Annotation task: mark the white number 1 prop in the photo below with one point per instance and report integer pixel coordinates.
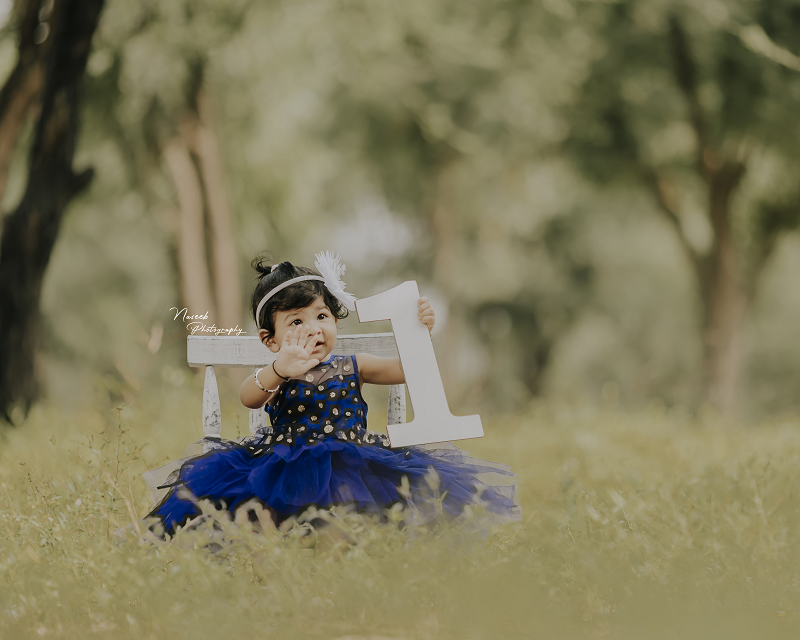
(432, 421)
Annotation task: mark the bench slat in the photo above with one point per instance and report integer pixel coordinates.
(397, 404)
(258, 419)
(212, 415)
(248, 351)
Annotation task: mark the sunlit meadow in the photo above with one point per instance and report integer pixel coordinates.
(646, 524)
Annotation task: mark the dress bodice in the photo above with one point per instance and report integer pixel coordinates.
(325, 402)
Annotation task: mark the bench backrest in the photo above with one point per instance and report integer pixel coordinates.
(249, 352)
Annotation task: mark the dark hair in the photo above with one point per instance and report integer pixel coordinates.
(296, 296)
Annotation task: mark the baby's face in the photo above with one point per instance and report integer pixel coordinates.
(320, 322)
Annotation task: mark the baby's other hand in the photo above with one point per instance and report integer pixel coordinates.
(425, 313)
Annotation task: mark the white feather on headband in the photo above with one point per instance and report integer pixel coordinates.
(331, 269)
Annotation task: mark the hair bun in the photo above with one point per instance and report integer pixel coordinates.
(261, 264)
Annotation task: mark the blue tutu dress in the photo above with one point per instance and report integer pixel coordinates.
(319, 453)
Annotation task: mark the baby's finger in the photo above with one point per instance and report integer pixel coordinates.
(311, 338)
(300, 335)
(427, 317)
(287, 338)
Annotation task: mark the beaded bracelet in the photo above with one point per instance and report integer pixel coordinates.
(261, 386)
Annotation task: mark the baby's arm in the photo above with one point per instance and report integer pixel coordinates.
(252, 396)
(377, 370)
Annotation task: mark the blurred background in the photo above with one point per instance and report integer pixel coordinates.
(599, 197)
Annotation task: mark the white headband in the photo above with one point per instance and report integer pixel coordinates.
(331, 269)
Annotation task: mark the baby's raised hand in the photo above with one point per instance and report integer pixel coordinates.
(425, 313)
(294, 357)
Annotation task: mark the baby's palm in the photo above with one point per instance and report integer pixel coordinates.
(294, 358)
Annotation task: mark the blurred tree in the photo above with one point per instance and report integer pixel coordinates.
(158, 217)
(437, 129)
(457, 112)
(194, 163)
(687, 102)
(180, 129)
(30, 231)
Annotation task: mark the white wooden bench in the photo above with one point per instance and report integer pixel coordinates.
(249, 352)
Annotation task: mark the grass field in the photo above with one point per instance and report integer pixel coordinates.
(635, 526)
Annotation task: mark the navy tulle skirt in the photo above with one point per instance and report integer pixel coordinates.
(431, 481)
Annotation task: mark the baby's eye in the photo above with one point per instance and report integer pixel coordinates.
(297, 321)
(322, 316)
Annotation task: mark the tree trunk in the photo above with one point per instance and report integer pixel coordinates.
(22, 87)
(30, 232)
(724, 293)
(722, 346)
(10, 125)
(227, 285)
(725, 298)
(192, 263)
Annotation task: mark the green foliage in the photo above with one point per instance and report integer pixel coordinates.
(493, 151)
(635, 111)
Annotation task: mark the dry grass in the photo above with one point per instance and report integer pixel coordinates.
(636, 526)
